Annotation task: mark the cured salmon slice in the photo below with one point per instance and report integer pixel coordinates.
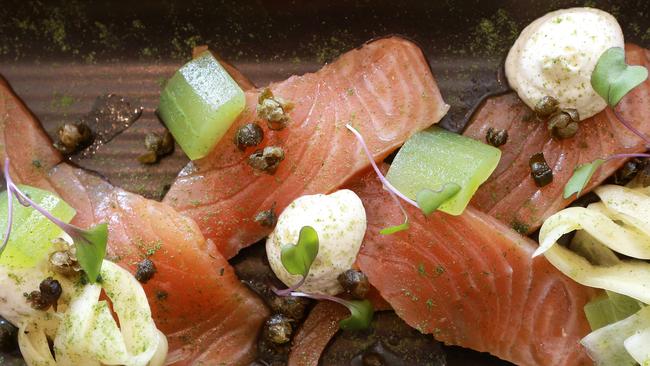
(384, 88)
(471, 281)
(208, 315)
(24, 141)
(510, 194)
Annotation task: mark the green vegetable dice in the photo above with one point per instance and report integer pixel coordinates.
(199, 104)
(31, 233)
(434, 157)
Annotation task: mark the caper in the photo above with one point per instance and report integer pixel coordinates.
(290, 306)
(73, 137)
(145, 270)
(496, 137)
(628, 171)
(355, 283)
(272, 109)
(64, 259)
(573, 113)
(250, 134)
(157, 146)
(546, 106)
(266, 160)
(267, 218)
(539, 170)
(564, 124)
(48, 294)
(278, 329)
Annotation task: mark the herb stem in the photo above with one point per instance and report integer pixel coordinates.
(383, 179)
(288, 291)
(627, 156)
(10, 217)
(24, 200)
(629, 126)
(321, 297)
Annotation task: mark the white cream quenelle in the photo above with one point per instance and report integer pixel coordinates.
(340, 221)
(556, 54)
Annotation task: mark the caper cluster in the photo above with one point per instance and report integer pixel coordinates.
(273, 109)
(562, 123)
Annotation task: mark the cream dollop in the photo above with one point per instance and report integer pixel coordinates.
(340, 221)
(556, 54)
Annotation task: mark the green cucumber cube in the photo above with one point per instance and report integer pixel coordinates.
(434, 157)
(199, 104)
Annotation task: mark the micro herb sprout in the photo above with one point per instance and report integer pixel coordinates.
(90, 244)
(612, 79)
(297, 260)
(427, 200)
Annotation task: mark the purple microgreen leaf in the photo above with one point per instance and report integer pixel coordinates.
(90, 244)
(581, 176)
(429, 200)
(612, 78)
(394, 229)
(10, 220)
(361, 311)
(91, 249)
(397, 228)
(290, 289)
(383, 179)
(394, 192)
(297, 259)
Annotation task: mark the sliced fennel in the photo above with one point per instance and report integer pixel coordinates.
(88, 333)
(620, 223)
(622, 343)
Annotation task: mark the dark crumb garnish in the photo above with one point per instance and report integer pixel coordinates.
(145, 270)
(539, 170)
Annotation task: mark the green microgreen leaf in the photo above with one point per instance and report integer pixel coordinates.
(581, 176)
(90, 248)
(394, 229)
(361, 312)
(429, 200)
(297, 259)
(612, 78)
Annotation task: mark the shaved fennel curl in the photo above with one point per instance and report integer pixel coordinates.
(620, 223)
